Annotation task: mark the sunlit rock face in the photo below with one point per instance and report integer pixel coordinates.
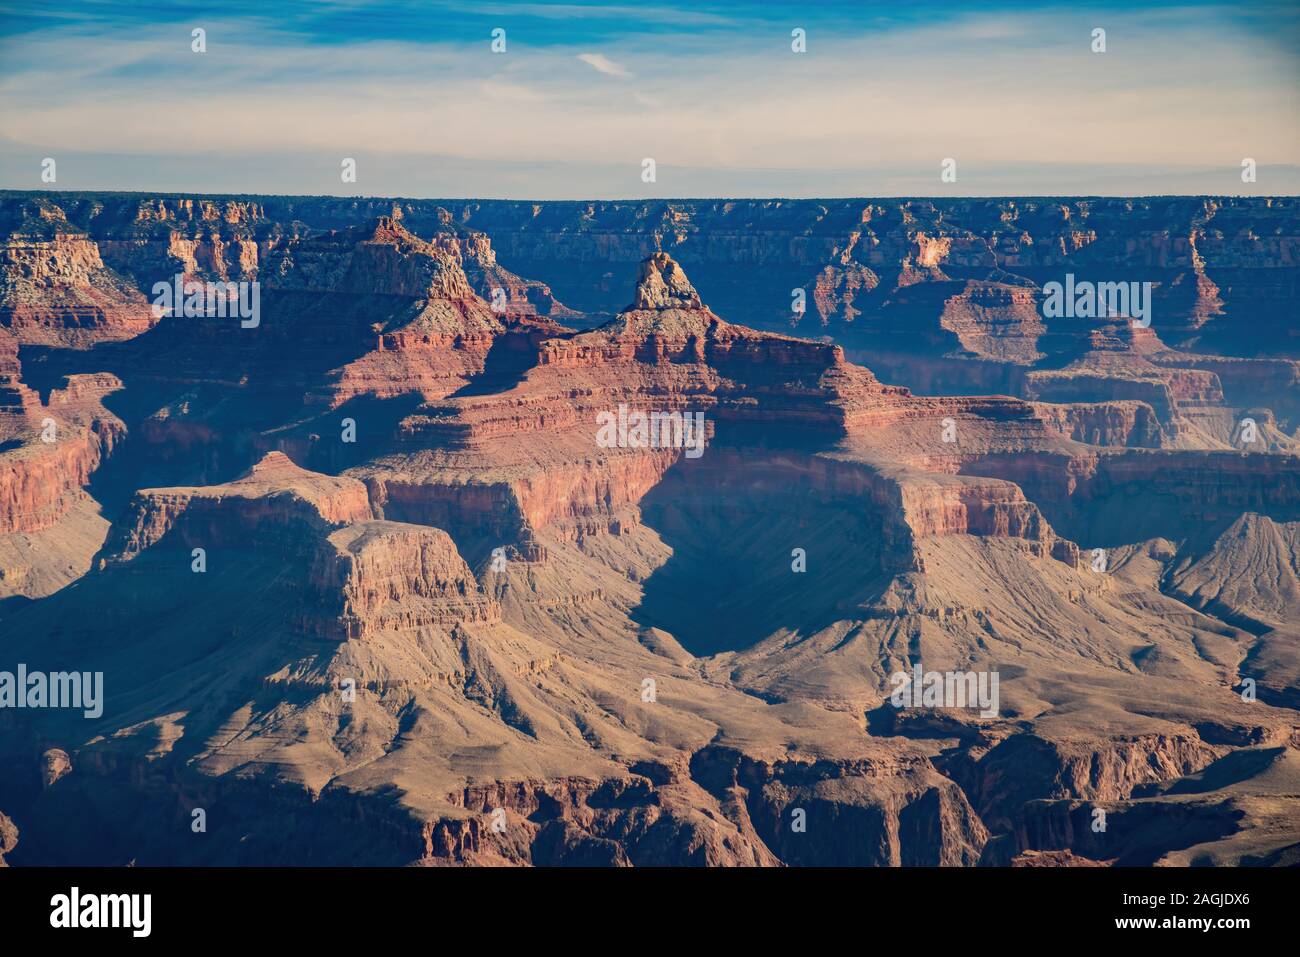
(496, 539)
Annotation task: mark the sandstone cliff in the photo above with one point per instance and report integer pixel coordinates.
(436, 618)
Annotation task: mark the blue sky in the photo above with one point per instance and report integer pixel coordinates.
(712, 92)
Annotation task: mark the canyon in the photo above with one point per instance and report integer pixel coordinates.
(366, 589)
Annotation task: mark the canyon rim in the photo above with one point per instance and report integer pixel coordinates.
(367, 567)
(536, 463)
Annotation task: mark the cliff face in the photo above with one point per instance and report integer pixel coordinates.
(1222, 266)
(393, 577)
(409, 558)
(908, 285)
(48, 452)
(8, 838)
(526, 461)
(58, 291)
(861, 256)
(274, 493)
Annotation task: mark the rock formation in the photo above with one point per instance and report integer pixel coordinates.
(8, 837)
(411, 572)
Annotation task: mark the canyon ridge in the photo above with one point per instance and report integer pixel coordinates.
(366, 587)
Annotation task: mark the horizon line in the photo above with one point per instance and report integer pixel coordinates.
(647, 199)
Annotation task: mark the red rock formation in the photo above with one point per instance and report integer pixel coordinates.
(8, 837)
(274, 492)
(48, 452)
(668, 352)
(392, 577)
(1053, 859)
(55, 764)
(923, 521)
(55, 288)
(1122, 423)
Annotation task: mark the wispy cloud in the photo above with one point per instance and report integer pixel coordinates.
(603, 64)
(1015, 98)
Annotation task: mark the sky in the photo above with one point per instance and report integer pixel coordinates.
(585, 92)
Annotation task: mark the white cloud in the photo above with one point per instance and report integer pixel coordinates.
(603, 64)
(864, 114)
